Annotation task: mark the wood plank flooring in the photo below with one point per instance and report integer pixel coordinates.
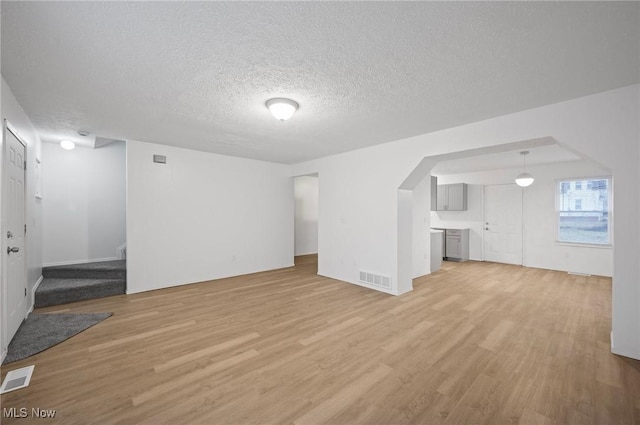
(479, 343)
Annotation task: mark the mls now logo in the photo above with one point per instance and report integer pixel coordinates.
(23, 412)
(36, 412)
(14, 412)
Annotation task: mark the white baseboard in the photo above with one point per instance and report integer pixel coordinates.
(364, 285)
(121, 252)
(622, 352)
(67, 263)
(33, 294)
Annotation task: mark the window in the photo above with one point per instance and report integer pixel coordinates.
(583, 212)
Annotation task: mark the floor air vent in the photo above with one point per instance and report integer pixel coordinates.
(375, 279)
(17, 379)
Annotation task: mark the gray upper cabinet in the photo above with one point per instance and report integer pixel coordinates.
(441, 200)
(452, 197)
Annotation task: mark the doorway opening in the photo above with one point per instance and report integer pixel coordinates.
(84, 222)
(306, 211)
(84, 203)
(503, 223)
(14, 264)
(486, 167)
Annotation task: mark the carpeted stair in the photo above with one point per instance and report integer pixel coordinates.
(79, 282)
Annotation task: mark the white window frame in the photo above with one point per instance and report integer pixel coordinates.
(609, 205)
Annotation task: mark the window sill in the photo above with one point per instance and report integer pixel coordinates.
(584, 245)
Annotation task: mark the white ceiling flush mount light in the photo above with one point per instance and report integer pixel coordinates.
(67, 144)
(282, 109)
(524, 179)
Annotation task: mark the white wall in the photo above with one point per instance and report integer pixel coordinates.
(15, 115)
(305, 193)
(360, 201)
(358, 213)
(540, 248)
(471, 218)
(540, 223)
(421, 207)
(84, 210)
(204, 216)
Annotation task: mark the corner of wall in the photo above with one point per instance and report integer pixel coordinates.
(33, 293)
(625, 352)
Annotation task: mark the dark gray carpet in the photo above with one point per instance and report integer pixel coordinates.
(116, 269)
(56, 291)
(79, 282)
(42, 331)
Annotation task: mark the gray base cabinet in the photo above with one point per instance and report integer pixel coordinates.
(457, 244)
(437, 244)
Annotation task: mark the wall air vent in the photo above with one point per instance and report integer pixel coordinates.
(375, 279)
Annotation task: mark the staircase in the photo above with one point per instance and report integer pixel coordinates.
(79, 282)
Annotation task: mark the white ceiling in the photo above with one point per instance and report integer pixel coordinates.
(511, 159)
(197, 74)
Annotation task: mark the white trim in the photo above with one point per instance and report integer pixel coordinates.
(364, 285)
(523, 230)
(121, 252)
(33, 293)
(585, 245)
(484, 219)
(68, 263)
(624, 353)
(5, 339)
(610, 221)
(522, 221)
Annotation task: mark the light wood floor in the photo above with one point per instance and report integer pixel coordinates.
(477, 343)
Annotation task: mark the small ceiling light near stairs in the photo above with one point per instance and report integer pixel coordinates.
(67, 144)
(282, 109)
(524, 179)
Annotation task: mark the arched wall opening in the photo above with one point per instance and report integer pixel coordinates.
(360, 191)
(414, 219)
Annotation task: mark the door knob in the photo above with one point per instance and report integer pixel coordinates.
(14, 249)
(9, 235)
(486, 228)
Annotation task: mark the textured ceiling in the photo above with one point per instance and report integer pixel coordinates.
(197, 74)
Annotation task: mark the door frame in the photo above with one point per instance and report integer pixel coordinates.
(4, 287)
(484, 221)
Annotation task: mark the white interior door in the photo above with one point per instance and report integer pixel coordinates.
(503, 223)
(14, 292)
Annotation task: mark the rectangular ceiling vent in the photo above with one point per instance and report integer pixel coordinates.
(375, 279)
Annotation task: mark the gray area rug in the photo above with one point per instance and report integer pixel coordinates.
(42, 331)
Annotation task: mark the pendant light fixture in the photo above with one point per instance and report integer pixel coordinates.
(282, 109)
(524, 179)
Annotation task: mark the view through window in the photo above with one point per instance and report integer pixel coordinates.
(583, 211)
